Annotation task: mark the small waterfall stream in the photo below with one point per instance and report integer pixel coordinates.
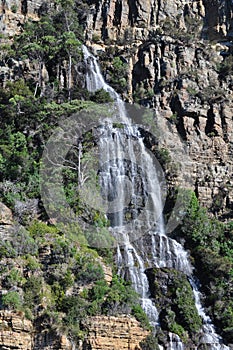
(128, 175)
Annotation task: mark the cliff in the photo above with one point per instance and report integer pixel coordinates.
(172, 58)
(113, 333)
(178, 57)
(104, 333)
(16, 332)
(14, 13)
(177, 60)
(120, 18)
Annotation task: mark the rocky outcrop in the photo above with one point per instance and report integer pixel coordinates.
(6, 222)
(16, 332)
(6, 217)
(185, 79)
(104, 333)
(114, 333)
(13, 14)
(50, 341)
(121, 20)
(107, 270)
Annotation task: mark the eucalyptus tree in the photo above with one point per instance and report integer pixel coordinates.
(52, 40)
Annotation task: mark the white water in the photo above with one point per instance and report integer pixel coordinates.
(118, 147)
(95, 81)
(210, 337)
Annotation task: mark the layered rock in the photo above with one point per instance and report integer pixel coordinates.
(119, 19)
(50, 341)
(13, 14)
(16, 331)
(114, 333)
(6, 222)
(173, 71)
(104, 333)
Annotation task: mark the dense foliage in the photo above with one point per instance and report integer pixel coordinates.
(56, 279)
(210, 244)
(52, 275)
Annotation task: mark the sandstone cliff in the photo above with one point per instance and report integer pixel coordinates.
(104, 333)
(175, 53)
(118, 18)
(113, 333)
(16, 332)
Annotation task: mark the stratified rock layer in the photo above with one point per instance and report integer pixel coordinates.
(118, 19)
(173, 69)
(15, 331)
(114, 333)
(104, 333)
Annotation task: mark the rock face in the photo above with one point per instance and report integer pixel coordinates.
(16, 332)
(172, 69)
(6, 222)
(6, 217)
(13, 14)
(121, 18)
(50, 341)
(114, 333)
(105, 333)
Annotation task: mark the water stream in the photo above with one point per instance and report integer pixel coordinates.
(129, 178)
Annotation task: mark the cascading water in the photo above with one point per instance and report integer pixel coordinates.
(128, 176)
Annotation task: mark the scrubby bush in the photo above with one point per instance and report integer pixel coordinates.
(12, 300)
(210, 244)
(150, 343)
(101, 96)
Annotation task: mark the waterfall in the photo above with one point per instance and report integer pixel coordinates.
(129, 181)
(210, 337)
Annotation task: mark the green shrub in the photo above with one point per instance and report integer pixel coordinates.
(150, 343)
(76, 309)
(12, 300)
(91, 271)
(96, 38)
(14, 279)
(118, 74)
(140, 315)
(101, 96)
(14, 8)
(6, 250)
(226, 67)
(99, 291)
(120, 298)
(40, 229)
(23, 243)
(33, 292)
(32, 263)
(164, 156)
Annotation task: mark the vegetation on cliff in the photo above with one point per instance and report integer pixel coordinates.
(53, 275)
(58, 282)
(210, 244)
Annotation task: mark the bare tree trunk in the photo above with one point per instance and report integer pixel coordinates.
(69, 77)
